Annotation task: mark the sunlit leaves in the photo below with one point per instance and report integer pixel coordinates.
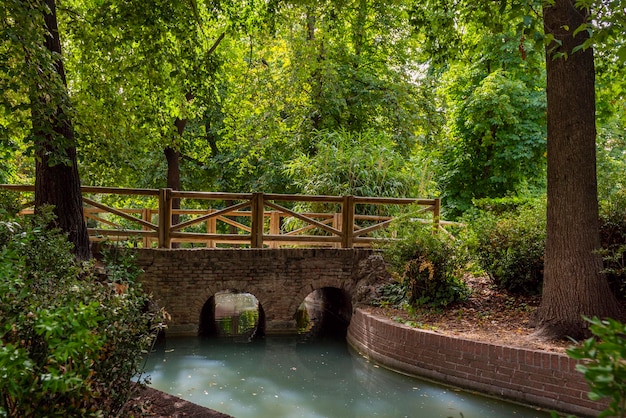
(497, 145)
(606, 26)
(363, 164)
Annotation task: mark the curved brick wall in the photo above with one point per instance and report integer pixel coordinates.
(540, 378)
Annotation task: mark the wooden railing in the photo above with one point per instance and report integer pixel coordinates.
(253, 220)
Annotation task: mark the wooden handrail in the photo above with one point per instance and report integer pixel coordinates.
(208, 216)
(119, 213)
(304, 218)
(262, 223)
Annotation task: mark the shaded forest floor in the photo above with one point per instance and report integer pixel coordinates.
(488, 315)
(152, 403)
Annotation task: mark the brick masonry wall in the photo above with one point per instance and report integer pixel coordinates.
(183, 280)
(539, 378)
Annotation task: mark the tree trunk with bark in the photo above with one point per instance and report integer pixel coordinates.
(57, 180)
(573, 283)
(173, 156)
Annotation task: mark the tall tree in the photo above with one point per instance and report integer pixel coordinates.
(36, 35)
(154, 74)
(573, 283)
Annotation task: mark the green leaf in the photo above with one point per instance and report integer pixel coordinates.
(582, 27)
(621, 54)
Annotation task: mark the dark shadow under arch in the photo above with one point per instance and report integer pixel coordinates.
(328, 311)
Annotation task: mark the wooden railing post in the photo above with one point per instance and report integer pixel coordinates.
(337, 225)
(256, 232)
(436, 215)
(347, 222)
(145, 215)
(274, 227)
(211, 228)
(165, 218)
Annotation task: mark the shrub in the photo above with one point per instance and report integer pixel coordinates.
(427, 266)
(604, 364)
(70, 339)
(509, 245)
(9, 203)
(368, 163)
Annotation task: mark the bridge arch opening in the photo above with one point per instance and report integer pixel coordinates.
(325, 313)
(232, 314)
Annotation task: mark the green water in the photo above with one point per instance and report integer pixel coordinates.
(279, 377)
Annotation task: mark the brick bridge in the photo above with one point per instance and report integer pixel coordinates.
(183, 281)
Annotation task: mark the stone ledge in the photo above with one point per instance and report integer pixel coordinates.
(515, 374)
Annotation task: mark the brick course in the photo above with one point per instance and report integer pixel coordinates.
(539, 378)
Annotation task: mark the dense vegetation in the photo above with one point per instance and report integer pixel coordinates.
(313, 97)
(71, 334)
(317, 97)
(502, 238)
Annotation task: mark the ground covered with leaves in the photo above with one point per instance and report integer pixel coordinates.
(153, 403)
(489, 314)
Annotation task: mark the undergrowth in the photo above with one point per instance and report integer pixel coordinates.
(71, 334)
(427, 268)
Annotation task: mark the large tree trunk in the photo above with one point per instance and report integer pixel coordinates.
(573, 283)
(57, 181)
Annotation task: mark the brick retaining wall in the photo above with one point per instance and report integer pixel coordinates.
(540, 378)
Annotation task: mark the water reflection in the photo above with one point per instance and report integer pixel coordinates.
(236, 313)
(280, 377)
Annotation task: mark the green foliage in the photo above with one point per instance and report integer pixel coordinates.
(604, 364)
(613, 240)
(32, 83)
(487, 65)
(497, 138)
(457, 30)
(70, 338)
(428, 267)
(393, 294)
(504, 205)
(509, 245)
(10, 204)
(252, 80)
(615, 268)
(605, 26)
(611, 146)
(361, 164)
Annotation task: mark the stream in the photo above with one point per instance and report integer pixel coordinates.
(288, 377)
